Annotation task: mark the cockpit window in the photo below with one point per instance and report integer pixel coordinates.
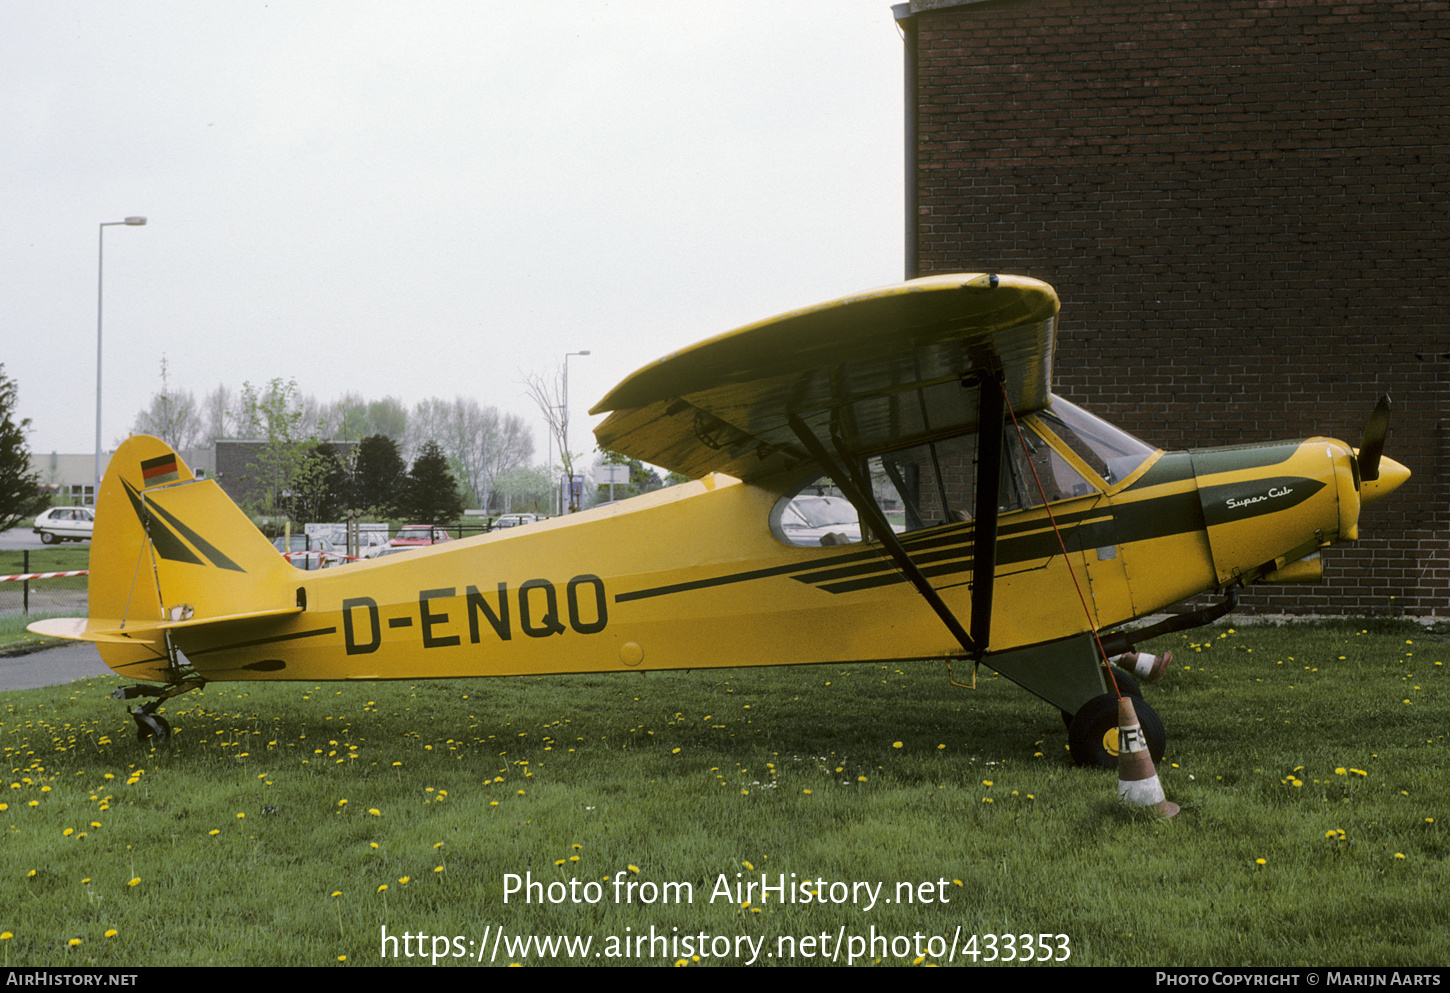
(1110, 452)
(935, 484)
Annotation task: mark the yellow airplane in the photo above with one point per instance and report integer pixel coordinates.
(994, 524)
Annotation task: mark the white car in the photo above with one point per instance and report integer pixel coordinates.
(65, 524)
(515, 520)
(820, 520)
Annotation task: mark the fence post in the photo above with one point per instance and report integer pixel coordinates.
(25, 583)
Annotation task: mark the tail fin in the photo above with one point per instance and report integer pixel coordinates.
(169, 550)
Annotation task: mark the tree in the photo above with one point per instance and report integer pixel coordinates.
(380, 477)
(321, 486)
(642, 479)
(173, 417)
(432, 489)
(217, 408)
(20, 495)
(526, 488)
(548, 394)
(480, 442)
(274, 417)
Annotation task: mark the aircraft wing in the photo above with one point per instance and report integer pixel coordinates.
(876, 371)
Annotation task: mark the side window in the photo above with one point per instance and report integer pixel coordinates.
(1033, 468)
(928, 486)
(817, 515)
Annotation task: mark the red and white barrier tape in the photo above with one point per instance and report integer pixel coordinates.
(44, 575)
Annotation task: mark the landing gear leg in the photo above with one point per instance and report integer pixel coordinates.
(149, 724)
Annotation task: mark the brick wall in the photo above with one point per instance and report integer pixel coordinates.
(1243, 206)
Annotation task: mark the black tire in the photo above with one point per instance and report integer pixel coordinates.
(1126, 686)
(1093, 734)
(46, 538)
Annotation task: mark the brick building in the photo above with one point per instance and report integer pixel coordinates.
(1243, 207)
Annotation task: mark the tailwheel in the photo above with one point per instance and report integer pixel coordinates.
(1092, 737)
(150, 726)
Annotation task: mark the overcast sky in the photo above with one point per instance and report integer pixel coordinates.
(429, 198)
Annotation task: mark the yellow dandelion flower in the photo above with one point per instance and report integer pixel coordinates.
(632, 868)
(1261, 861)
(382, 887)
(5, 935)
(135, 882)
(1399, 855)
(748, 866)
(438, 868)
(342, 803)
(68, 832)
(403, 880)
(375, 812)
(896, 744)
(73, 942)
(112, 933)
(337, 892)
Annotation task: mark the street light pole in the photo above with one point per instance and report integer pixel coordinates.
(100, 276)
(567, 460)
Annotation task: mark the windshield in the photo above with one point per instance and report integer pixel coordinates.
(1110, 452)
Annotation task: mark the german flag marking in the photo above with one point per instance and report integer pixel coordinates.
(161, 469)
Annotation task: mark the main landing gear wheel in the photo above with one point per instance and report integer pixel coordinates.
(1126, 686)
(1092, 737)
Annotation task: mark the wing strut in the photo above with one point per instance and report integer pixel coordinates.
(867, 508)
(991, 428)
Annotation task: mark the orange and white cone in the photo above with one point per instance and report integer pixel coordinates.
(1149, 668)
(1137, 780)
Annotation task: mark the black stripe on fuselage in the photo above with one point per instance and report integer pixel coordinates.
(947, 550)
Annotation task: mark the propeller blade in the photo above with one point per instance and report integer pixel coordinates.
(1372, 446)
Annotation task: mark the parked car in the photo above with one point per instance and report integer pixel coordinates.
(515, 520)
(65, 524)
(808, 519)
(308, 551)
(418, 535)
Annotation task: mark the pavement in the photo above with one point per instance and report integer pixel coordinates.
(51, 667)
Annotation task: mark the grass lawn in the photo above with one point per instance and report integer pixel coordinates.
(893, 818)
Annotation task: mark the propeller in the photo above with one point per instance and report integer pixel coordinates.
(1372, 445)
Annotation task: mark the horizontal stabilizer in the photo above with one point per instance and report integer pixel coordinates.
(75, 628)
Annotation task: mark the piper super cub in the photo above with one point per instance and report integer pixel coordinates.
(995, 524)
